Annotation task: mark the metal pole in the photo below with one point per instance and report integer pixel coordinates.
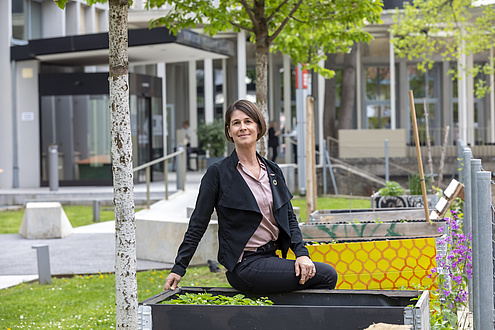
(53, 167)
(387, 176)
(471, 226)
(466, 173)
(96, 210)
(301, 128)
(324, 165)
(460, 159)
(165, 179)
(485, 315)
(148, 178)
(180, 168)
(43, 256)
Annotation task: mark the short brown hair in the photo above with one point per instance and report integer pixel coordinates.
(250, 109)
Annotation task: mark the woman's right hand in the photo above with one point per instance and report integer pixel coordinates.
(172, 281)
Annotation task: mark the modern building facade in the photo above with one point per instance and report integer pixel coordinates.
(54, 90)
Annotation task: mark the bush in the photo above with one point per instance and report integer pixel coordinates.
(212, 138)
(392, 188)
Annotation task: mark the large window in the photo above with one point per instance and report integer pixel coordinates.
(377, 102)
(426, 90)
(26, 19)
(80, 126)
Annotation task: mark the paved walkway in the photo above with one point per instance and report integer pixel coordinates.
(90, 249)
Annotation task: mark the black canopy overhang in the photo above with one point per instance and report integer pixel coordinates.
(145, 47)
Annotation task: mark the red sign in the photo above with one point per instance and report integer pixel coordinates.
(304, 78)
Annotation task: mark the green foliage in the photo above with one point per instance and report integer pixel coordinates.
(209, 299)
(212, 137)
(392, 188)
(84, 301)
(79, 215)
(304, 30)
(415, 184)
(331, 203)
(428, 28)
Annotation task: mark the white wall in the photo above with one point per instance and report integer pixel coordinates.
(28, 123)
(6, 143)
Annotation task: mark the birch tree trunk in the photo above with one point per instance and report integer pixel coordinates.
(125, 224)
(262, 89)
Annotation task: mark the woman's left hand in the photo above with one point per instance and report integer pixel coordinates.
(306, 268)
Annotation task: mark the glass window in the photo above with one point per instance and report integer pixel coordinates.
(26, 19)
(80, 126)
(377, 102)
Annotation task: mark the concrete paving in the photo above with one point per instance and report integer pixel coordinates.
(90, 249)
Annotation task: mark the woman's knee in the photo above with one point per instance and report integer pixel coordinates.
(328, 273)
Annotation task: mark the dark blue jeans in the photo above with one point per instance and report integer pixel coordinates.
(264, 273)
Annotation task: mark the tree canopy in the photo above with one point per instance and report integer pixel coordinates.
(427, 29)
(304, 30)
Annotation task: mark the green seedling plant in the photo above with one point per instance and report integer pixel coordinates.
(209, 299)
(392, 188)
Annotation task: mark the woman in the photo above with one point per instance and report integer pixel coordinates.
(255, 217)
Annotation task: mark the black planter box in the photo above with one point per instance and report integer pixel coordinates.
(308, 309)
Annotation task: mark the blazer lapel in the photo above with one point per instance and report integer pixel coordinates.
(237, 194)
(280, 191)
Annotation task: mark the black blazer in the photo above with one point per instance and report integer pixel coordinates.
(223, 188)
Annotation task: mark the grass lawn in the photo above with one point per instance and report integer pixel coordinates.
(332, 203)
(84, 301)
(79, 215)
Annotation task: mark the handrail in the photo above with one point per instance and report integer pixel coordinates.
(158, 160)
(164, 159)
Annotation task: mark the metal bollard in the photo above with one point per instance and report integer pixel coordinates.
(53, 167)
(180, 166)
(43, 256)
(483, 316)
(96, 210)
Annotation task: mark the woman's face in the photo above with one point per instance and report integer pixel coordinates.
(243, 129)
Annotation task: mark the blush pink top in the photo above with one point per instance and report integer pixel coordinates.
(267, 230)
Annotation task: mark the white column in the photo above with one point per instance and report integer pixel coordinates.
(208, 83)
(393, 97)
(6, 133)
(321, 105)
(73, 16)
(89, 20)
(28, 123)
(287, 107)
(470, 101)
(193, 102)
(53, 20)
(461, 94)
(241, 65)
(359, 102)
(224, 85)
(492, 101)
(161, 71)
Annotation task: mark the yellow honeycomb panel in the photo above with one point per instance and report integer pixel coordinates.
(379, 265)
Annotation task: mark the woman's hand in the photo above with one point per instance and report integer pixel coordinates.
(306, 268)
(172, 281)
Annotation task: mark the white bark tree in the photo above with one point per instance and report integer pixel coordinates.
(126, 298)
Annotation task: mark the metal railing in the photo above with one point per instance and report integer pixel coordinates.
(180, 166)
(479, 223)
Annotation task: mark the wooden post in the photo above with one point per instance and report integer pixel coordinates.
(310, 159)
(418, 153)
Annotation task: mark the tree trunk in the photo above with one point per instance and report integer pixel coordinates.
(125, 223)
(262, 87)
(330, 109)
(348, 90)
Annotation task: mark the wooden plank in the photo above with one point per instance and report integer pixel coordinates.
(327, 216)
(335, 231)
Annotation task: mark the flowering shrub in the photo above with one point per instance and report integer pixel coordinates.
(454, 267)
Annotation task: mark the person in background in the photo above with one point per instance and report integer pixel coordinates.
(255, 218)
(273, 142)
(185, 126)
